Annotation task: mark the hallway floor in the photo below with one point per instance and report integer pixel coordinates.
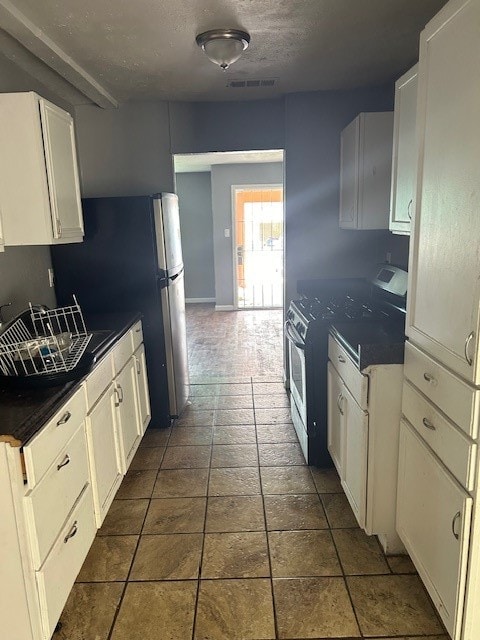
(221, 532)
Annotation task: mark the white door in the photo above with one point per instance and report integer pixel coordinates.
(404, 152)
(61, 162)
(127, 413)
(104, 453)
(336, 419)
(142, 388)
(349, 143)
(445, 284)
(354, 480)
(433, 521)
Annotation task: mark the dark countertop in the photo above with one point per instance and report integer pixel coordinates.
(24, 411)
(371, 343)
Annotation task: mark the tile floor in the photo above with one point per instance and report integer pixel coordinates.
(221, 532)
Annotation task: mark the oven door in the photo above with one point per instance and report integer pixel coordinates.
(296, 352)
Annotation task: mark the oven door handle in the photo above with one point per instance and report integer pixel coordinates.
(294, 339)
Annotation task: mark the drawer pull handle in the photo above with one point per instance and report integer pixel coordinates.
(72, 532)
(429, 378)
(64, 419)
(339, 403)
(139, 370)
(120, 393)
(469, 338)
(428, 424)
(137, 330)
(341, 359)
(64, 462)
(456, 517)
(117, 395)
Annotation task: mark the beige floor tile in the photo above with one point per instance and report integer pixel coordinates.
(271, 433)
(181, 483)
(280, 455)
(235, 610)
(187, 457)
(235, 555)
(168, 557)
(187, 435)
(147, 458)
(175, 515)
(285, 480)
(235, 402)
(234, 434)
(234, 416)
(302, 554)
(359, 554)
(314, 608)
(392, 606)
(155, 437)
(89, 611)
(271, 401)
(401, 564)
(268, 388)
(234, 455)
(234, 482)
(234, 389)
(292, 512)
(326, 480)
(109, 559)
(235, 513)
(202, 403)
(156, 610)
(272, 416)
(339, 511)
(124, 517)
(191, 418)
(137, 484)
(202, 391)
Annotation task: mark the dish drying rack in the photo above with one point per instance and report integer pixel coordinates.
(54, 341)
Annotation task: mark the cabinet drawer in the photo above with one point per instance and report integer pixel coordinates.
(455, 398)
(56, 577)
(98, 380)
(122, 352)
(456, 451)
(45, 446)
(49, 503)
(137, 335)
(356, 382)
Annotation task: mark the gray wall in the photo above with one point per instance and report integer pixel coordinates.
(195, 201)
(223, 177)
(24, 278)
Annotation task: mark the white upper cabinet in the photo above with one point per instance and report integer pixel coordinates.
(365, 171)
(39, 185)
(404, 159)
(444, 290)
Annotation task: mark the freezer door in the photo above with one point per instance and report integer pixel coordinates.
(167, 225)
(173, 308)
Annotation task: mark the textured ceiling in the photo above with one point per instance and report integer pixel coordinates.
(145, 49)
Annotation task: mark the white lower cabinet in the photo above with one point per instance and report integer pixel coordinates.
(127, 413)
(433, 520)
(336, 419)
(142, 388)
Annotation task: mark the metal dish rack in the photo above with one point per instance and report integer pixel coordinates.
(53, 342)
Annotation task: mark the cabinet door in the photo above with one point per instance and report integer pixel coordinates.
(2, 237)
(128, 413)
(433, 521)
(354, 480)
(445, 286)
(142, 388)
(349, 142)
(404, 152)
(336, 419)
(61, 163)
(104, 453)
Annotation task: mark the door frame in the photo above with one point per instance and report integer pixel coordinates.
(251, 187)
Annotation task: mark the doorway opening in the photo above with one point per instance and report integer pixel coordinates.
(258, 246)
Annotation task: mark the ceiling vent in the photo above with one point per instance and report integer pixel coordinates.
(243, 84)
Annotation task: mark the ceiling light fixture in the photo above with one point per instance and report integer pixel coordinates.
(223, 46)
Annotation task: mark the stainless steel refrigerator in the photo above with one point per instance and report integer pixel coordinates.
(131, 260)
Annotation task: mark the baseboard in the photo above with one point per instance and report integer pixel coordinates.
(224, 307)
(198, 300)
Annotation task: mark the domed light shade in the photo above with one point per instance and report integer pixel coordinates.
(223, 46)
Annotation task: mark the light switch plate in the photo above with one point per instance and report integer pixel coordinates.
(227, 233)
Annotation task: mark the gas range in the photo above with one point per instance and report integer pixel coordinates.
(346, 306)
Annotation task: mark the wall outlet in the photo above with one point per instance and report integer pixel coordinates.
(227, 233)
(388, 257)
(51, 278)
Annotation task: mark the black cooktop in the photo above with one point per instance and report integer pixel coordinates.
(377, 342)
